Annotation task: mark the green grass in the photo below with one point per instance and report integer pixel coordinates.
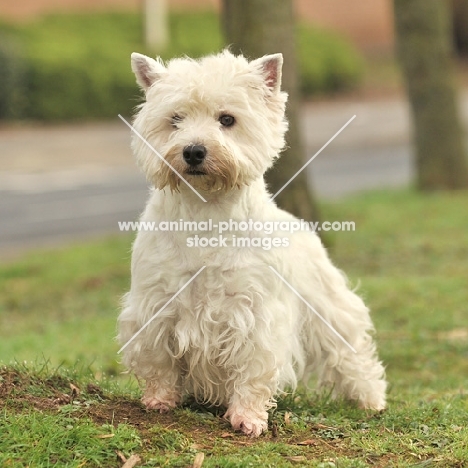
(41, 439)
(78, 290)
(410, 254)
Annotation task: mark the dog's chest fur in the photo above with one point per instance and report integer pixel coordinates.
(230, 310)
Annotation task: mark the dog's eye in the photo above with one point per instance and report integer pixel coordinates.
(227, 120)
(176, 119)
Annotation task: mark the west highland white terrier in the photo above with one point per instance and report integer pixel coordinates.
(255, 320)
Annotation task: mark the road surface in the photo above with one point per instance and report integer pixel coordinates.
(59, 184)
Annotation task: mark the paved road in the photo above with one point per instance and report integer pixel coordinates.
(32, 218)
(58, 184)
(48, 213)
(341, 172)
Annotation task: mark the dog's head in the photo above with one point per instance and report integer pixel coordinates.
(218, 121)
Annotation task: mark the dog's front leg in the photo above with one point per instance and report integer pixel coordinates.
(162, 376)
(249, 404)
(162, 390)
(151, 361)
(251, 421)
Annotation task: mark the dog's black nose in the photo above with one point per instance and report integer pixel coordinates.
(194, 154)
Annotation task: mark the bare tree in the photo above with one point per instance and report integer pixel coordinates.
(460, 25)
(425, 50)
(260, 27)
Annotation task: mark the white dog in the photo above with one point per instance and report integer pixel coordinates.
(237, 335)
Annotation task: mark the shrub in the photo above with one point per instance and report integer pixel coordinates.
(326, 62)
(12, 78)
(77, 66)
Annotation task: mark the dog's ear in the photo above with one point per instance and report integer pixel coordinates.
(271, 66)
(146, 69)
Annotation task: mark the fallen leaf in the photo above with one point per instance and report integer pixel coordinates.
(75, 390)
(62, 399)
(132, 461)
(322, 426)
(297, 458)
(121, 456)
(454, 335)
(105, 436)
(308, 442)
(287, 418)
(274, 429)
(198, 460)
(225, 435)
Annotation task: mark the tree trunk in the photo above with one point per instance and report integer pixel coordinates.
(460, 25)
(259, 27)
(425, 50)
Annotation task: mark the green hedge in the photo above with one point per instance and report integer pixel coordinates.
(327, 63)
(13, 74)
(77, 66)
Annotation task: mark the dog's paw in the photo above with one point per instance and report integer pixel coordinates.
(156, 399)
(374, 397)
(247, 422)
(163, 406)
(373, 404)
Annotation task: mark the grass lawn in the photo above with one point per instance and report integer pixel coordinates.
(64, 401)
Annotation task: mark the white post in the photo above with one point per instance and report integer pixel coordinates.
(156, 29)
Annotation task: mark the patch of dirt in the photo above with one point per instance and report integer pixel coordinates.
(22, 390)
(458, 334)
(124, 411)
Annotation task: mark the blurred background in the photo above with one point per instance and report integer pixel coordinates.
(398, 170)
(66, 170)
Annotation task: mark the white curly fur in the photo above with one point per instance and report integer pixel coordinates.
(237, 336)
